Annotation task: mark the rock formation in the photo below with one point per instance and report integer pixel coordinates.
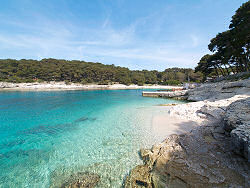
(215, 154)
(219, 90)
(237, 122)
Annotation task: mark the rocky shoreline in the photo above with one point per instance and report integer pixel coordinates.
(215, 154)
(6, 86)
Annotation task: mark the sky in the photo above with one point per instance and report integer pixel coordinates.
(138, 34)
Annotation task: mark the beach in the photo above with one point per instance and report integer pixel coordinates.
(206, 142)
(164, 125)
(125, 94)
(74, 86)
(49, 137)
(184, 136)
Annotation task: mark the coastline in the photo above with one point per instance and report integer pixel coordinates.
(99, 132)
(61, 86)
(207, 143)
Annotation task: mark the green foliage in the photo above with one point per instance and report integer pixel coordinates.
(83, 81)
(67, 82)
(104, 82)
(246, 76)
(230, 48)
(172, 82)
(87, 72)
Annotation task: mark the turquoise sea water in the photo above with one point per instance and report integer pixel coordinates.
(47, 136)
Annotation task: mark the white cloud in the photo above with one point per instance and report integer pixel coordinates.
(105, 44)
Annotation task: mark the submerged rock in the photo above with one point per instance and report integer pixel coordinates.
(140, 177)
(82, 180)
(82, 119)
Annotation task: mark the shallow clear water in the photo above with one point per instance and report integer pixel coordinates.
(47, 136)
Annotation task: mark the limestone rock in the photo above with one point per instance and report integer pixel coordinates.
(7, 85)
(237, 122)
(139, 177)
(208, 156)
(82, 180)
(219, 90)
(201, 158)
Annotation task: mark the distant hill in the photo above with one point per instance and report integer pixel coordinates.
(23, 70)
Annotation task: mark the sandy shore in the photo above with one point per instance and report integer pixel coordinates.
(62, 86)
(215, 153)
(165, 125)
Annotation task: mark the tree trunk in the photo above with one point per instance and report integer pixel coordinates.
(216, 70)
(231, 68)
(226, 70)
(221, 70)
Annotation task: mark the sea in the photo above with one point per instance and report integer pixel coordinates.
(47, 137)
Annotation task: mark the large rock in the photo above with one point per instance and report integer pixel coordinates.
(140, 176)
(237, 122)
(7, 85)
(219, 90)
(201, 158)
(208, 156)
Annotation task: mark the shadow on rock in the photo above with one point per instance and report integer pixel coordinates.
(202, 158)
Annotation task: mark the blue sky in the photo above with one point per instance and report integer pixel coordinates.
(139, 34)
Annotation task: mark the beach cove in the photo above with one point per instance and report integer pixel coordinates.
(46, 137)
(215, 153)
